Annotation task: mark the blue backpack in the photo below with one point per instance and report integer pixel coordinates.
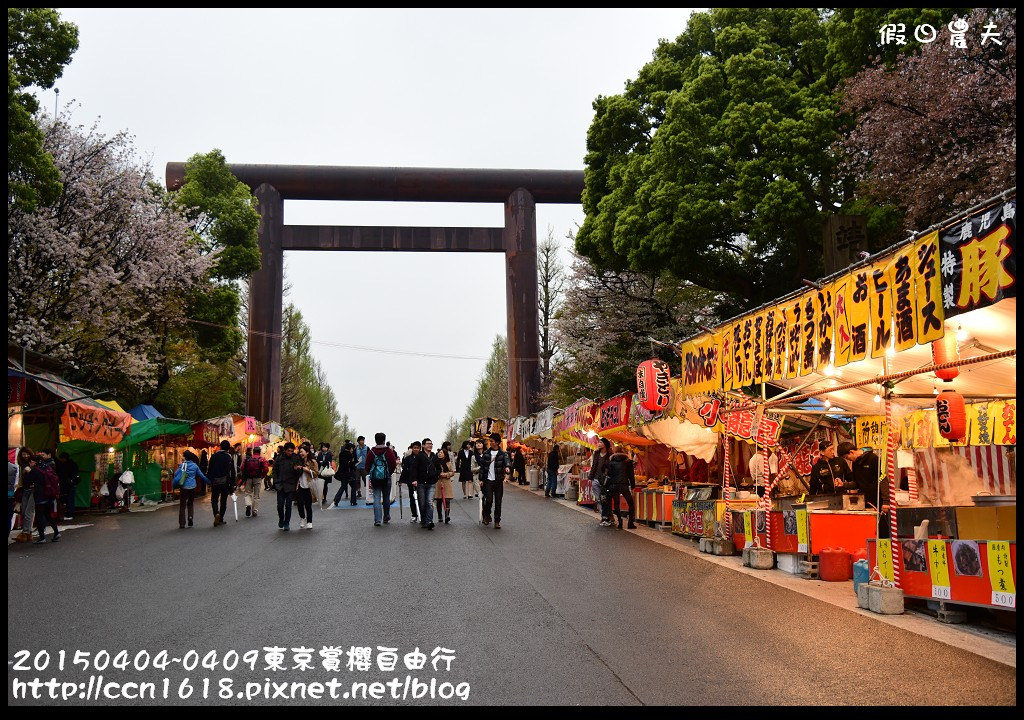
(379, 473)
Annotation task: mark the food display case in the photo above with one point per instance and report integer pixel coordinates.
(699, 509)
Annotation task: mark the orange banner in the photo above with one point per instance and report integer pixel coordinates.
(94, 424)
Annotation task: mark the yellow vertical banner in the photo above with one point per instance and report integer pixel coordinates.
(979, 426)
(826, 326)
(928, 286)
(1000, 574)
(748, 527)
(738, 367)
(938, 568)
(794, 318)
(702, 367)
(779, 356)
(881, 308)
(885, 560)
(801, 531)
(1004, 420)
(904, 300)
(809, 334)
(859, 307)
(770, 321)
(758, 348)
(747, 349)
(725, 342)
(841, 317)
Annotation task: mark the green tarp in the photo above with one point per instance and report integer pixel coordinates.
(147, 475)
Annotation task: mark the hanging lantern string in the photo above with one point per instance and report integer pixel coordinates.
(877, 380)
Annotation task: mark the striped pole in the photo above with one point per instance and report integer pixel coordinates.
(728, 488)
(783, 469)
(894, 484)
(766, 503)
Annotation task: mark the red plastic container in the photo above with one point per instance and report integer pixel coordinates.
(835, 565)
(861, 554)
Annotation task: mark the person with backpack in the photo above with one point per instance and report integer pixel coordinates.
(494, 464)
(185, 479)
(381, 461)
(46, 490)
(254, 472)
(223, 480)
(67, 471)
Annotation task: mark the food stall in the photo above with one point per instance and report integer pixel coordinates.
(916, 345)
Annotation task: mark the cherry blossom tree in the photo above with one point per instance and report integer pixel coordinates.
(937, 132)
(93, 273)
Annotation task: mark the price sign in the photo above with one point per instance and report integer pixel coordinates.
(885, 560)
(801, 531)
(938, 568)
(1000, 574)
(748, 528)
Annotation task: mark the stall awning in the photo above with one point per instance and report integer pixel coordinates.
(145, 430)
(145, 412)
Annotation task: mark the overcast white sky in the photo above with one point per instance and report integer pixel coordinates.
(393, 88)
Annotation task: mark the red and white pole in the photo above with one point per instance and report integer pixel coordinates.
(894, 485)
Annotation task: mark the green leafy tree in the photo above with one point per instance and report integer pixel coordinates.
(39, 45)
(717, 163)
(491, 396)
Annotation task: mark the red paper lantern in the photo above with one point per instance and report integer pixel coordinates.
(944, 351)
(952, 415)
(652, 387)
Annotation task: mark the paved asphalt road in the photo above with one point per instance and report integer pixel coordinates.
(551, 609)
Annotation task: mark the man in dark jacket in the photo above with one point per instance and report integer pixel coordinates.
(346, 459)
(67, 471)
(619, 481)
(553, 462)
(862, 469)
(828, 473)
(286, 479)
(427, 473)
(410, 472)
(223, 480)
(494, 464)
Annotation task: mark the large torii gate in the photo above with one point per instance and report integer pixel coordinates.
(519, 190)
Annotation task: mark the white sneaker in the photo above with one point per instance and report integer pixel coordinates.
(309, 525)
(302, 524)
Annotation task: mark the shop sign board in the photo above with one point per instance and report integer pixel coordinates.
(94, 424)
(938, 569)
(978, 260)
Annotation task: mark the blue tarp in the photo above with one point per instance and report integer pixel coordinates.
(144, 412)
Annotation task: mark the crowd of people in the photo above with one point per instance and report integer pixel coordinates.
(301, 477)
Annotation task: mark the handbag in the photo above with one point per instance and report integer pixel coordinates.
(327, 472)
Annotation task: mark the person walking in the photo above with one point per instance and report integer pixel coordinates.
(361, 451)
(67, 471)
(204, 466)
(13, 475)
(495, 465)
(286, 480)
(27, 500)
(427, 485)
(46, 488)
(554, 460)
(445, 490)
(325, 459)
(185, 479)
(598, 470)
(380, 463)
(223, 481)
(254, 472)
(619, 481)
(309, 470)
(406, 478)
(464, 467)
(343, 474)
(519, 466)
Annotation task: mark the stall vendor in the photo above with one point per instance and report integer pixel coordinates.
(862, 469)
(828, 473)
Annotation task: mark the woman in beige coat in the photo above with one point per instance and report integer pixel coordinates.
(445, 487)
